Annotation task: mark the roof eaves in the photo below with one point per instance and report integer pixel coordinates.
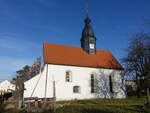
(84, 66)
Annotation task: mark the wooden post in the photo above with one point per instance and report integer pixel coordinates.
(46, 80)
(29, 105)
(54, 96)
(36, 103)
(4, 98)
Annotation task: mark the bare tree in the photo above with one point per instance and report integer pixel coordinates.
(137, 61)
(27, 72)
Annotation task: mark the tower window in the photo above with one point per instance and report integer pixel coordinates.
(76, 89)
(68, 76)
(92, 46)
(92, 51)
(110, 84)
(92, 83)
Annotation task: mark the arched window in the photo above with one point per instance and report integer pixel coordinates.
(92, 83)
(76, 89)
(110, 84)
(68, 76)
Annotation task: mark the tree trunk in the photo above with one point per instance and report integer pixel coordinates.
(139, 92)
(148, 95)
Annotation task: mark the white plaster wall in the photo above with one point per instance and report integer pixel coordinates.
(35, 87)
(6, 86)
(80, 77)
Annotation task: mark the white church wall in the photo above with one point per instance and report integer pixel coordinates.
(35, 87)
(81, 76)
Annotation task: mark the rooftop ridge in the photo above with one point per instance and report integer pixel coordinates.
(74, 46)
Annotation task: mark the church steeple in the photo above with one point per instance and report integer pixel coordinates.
(88, 39)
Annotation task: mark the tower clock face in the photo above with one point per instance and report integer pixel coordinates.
(92, 46)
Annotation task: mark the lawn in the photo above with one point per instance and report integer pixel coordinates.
(128, 101)
(101, 109)
(130, 105)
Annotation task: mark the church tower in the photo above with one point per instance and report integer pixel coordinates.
(88, 40)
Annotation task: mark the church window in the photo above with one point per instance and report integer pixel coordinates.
(110, 84)
(92, 83)
(76, 89)
(68, 76)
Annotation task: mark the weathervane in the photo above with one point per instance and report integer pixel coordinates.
(87, 9)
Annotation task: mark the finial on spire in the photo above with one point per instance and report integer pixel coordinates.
(87, 19)
(87, 10)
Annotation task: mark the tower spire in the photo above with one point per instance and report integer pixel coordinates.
(88, 39)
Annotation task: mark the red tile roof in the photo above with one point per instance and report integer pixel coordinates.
(35, 64)
(76, 56)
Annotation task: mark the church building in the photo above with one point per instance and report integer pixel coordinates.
(84, 72)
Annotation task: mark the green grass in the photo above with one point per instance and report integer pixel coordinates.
(101, 109)
(129, 105)
(128, 101)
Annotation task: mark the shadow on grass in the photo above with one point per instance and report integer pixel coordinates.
(94, 111)
(128, 109)
(132, 108)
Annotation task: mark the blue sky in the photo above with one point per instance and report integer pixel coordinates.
(26, 24)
